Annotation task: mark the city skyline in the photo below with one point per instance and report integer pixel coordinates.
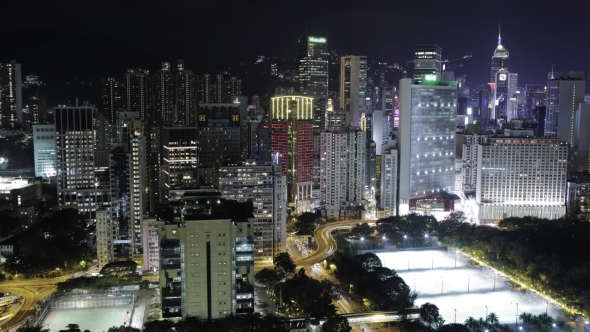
(133, 43)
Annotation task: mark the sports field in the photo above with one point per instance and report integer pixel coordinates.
(95, 320)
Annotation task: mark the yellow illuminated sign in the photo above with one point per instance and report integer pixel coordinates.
(202, 118)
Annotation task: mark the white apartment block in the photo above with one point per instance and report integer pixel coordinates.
(104, 238)
(389, 169)
(266, 187)
(520, 177)
(150, 245)
(343, 166)
(471, 143)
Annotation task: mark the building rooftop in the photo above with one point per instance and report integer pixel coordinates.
(8, 184)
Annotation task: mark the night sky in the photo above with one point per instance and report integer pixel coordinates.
(96, 39)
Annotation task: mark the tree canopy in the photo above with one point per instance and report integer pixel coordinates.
(336, 324)
(307, 222)
(283, 261)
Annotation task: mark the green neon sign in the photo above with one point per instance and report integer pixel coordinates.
(317, 39)
(430, 77)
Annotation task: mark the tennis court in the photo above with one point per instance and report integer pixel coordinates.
(95, 320)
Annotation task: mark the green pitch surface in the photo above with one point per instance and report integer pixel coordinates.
(95, 320)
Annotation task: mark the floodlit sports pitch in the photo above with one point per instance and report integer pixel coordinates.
(95, 320)
(463, 289)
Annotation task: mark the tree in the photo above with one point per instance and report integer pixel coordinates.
(283, 261)
(123, 328)
(492, 319)
(120, 269)
(159, 326)
(72, 328)
(336, 324)
(453, 328)
(362, 229)
(36, 328)
(144, 284)
(268, 277)
(430, 315)
(307, 222)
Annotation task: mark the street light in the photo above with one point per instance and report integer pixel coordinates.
(517, 315)
(486, 311)
(455, 316)
(414, 284)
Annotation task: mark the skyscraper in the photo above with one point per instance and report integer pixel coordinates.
(353, 87)
(44, 150)
(180, 161)
(111, 99)
(37, 108)
(11, 103)
(426, 140)
(535, 95)
(76, 182)
(219, 134)
(138, 92)
(565, 91)
(164, 94)
(343, 172)
(389, 180)
(499, 59)
(292, 146)
(313, 67)
(186, 98)
(427, 60)
(505, 105)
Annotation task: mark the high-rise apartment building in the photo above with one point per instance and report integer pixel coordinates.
(207, 260)
(313, 67)
(105, 237)
(44, 150)
(389, 181)
(565, 91)
(426, 139)
(150, 245)
(164, 95)
(353, 87)
(180, 161)
(74, 147)
(343, 172)
(505, 105)
(292, 146)
(111, 99)
(427, 61)
(472, 138)
(582, 141)
(521, 176)
(266, 187)
(186, 96)
(138, 92)
(217, 89)
(11, 103)
(499, 59)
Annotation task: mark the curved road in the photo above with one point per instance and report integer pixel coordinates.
(326, 243)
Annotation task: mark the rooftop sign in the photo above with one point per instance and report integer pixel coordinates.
(316, 39)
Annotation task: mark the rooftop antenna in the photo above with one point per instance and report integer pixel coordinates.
(552, 77)
(499, 30)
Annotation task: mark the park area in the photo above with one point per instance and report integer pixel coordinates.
(460, 289)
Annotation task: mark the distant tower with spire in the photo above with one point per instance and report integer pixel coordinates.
(500, 57)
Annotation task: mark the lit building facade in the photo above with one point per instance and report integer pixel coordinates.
(292, 146)
(180, 161)
(313, 67)
(534, 96)
(138, 92)
(426, 139)
(164, 95)
(266, 187)
(105, 237)
(207, 260)
(505, 104)
(427, 61)
(565, 91)
(520, 176)
(343, 172)
(44, 150)
(151, 244)
(74, 148)
(389, 181)
(186, 98)
(353, 87)
(471, 142)
(11, 102)
(499, 59)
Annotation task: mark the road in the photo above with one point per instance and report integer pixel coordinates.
(326, 243)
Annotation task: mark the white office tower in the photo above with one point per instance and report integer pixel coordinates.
(505, 105)
(353, 87)
(582, 155)
(104, 238)
(266, 186)
(521, 176)
(77, 186)
(342, 178)
(151, 244)
(426, 141)
(44, 150)
(389, 169)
